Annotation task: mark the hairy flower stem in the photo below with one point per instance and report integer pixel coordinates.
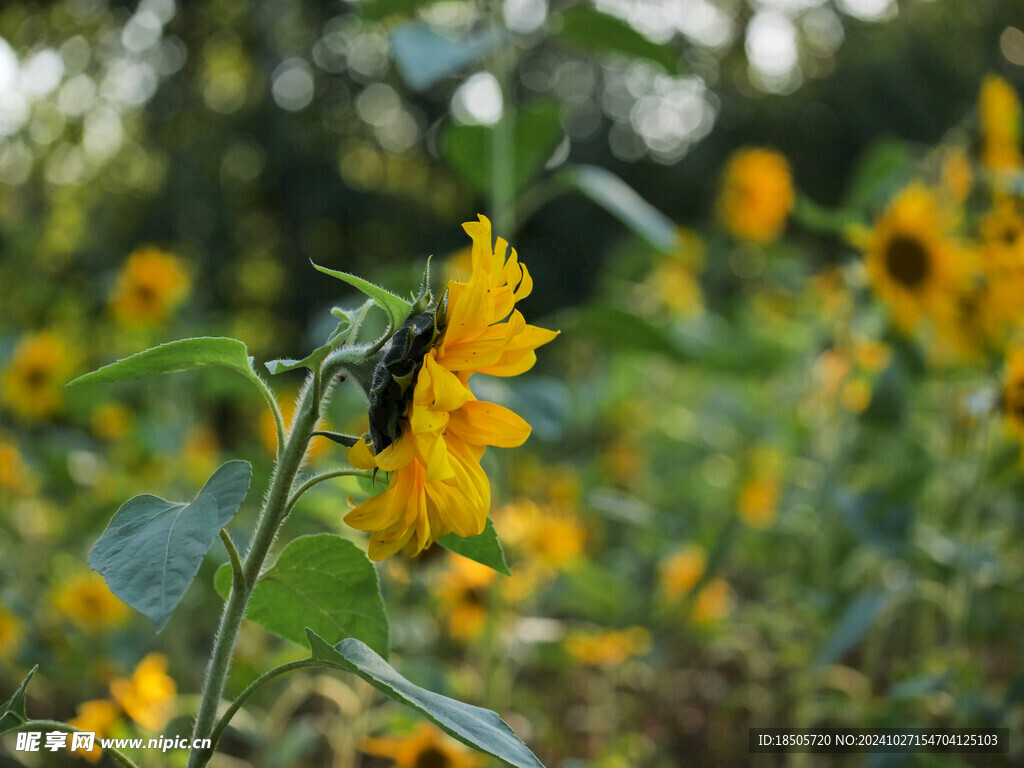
(274, 511)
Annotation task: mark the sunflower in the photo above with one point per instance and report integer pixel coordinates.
(912, 262)
(427, 747)
(97, 717)
(1013, 392)
(33, 385)
(150, 287)
(437, 485)
(756, 195)
(148, 696)
(463, 595)
(999, 116)
(89, 604)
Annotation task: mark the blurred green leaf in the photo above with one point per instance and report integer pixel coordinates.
(152, 548)
(12, 711)
(853, 626)
(424, 56)
(485, 548)
(592, 30)
(379, 10)
(918, 686)
(620, 330)
(537, 131)
(321, 581)
(622, 201)
(879, 172)
(398, 309)
(477, 727)
(181, 355)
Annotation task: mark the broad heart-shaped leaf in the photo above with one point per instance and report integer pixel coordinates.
(480, 728)
(621, 200)
(537, 131)
(12, 711)
(424, 56)
(152, 548)
(321, 581)
(398, 309)
(593, 30)
(485, 548)
(179, 355)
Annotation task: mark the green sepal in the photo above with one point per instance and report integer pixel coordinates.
(316, 358)
(476, 727)
(342, 439)
(397, 308)
(485, 548)
(424, 298)
(12, 711)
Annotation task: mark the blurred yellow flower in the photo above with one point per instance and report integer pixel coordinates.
(542, 536)
(756, 195)
(1013, 392)
(97, 716)
(999, 116)
(713, 603)
(758, 501)
(151, 286)
(110, 421)
(673, 278)
(912, 261)
(437, 484)
(957, 176)
(200, 453)
(427, 747)
(855, 395)
(463, 594)
(11, 633)
(13, 475)
(608, 648)
(318, 446)
(33, 385)
(88, 603)
(681, 571)
(148, 697)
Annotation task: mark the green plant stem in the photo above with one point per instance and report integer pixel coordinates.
(251, 689)
(236, 563)
(329, 475)
(57, 725)
(275, 409)
(275, 509)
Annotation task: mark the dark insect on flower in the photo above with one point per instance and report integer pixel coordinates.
(391, 386)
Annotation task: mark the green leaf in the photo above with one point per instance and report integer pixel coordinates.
(537, 131)
(484, 548)
(424, 56)
(621, 200)
(879, 172)
(398, 309)
(152, 548)
(316, 358)
(592, 30)
(323, 582)
(477, 727)
(181, 355)
(12, 711)
(855, 623)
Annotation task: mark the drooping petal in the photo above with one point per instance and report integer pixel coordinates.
(482, 423)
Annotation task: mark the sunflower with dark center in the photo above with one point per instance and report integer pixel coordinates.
(914, 263)
(426, 747)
